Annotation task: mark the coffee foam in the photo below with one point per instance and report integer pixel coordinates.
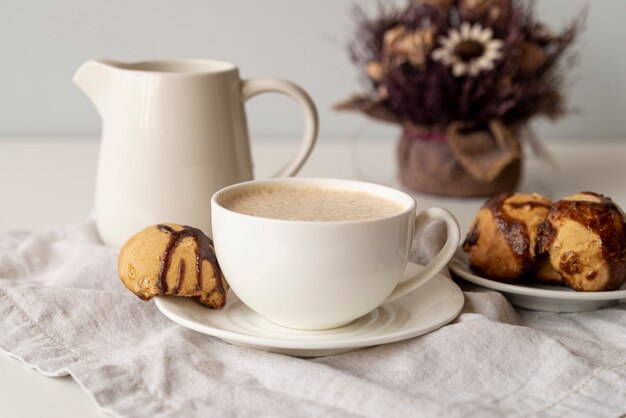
(312, 203)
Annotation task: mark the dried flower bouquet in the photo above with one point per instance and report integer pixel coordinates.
(462, 78)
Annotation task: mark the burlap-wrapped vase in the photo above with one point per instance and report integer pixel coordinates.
(457, 161)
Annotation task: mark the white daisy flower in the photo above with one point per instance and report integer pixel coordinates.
(469, 50)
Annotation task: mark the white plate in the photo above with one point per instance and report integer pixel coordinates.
(539, 297)
(432, 306)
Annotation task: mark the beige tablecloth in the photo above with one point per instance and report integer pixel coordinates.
(64, 311)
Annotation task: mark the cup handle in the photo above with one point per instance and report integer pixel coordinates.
(254, 86)
(440, 260)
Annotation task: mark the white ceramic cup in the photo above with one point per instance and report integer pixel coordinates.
(320, 274)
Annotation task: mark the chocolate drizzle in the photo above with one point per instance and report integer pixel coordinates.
(199, 266)
(546, 233)
(513, 230)
(181, 275)
(204, 251)
(472, 237)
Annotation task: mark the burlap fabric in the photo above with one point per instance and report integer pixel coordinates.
(460, 161)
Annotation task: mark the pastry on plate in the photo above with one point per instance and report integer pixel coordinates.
(501, 242)
(584, 238)
(171, 259)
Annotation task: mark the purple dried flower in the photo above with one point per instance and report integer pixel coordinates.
(433, 62)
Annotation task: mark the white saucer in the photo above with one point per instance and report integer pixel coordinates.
(539, 297)
(432, 306)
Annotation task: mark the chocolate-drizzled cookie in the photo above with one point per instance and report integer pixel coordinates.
(501, 241)
(171, 259)
(584, 239)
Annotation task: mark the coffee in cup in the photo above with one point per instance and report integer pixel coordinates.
(319, 253)
(312, 203)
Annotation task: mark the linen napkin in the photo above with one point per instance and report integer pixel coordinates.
(64, 311)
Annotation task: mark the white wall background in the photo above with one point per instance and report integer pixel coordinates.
(43, 42)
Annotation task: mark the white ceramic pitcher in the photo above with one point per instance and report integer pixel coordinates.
(173, 133)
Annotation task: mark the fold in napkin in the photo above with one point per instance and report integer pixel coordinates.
(64, 311)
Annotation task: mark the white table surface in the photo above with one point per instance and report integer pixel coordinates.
(50, 181)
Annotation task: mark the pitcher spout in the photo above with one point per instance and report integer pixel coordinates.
(94, 78)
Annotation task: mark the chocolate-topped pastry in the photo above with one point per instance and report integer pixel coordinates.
(584, 238)
(501, 242)
(171, 259)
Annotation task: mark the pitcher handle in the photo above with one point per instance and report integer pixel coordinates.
(254, 86)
